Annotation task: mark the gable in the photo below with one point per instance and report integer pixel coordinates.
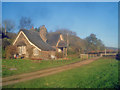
(61, 42)
(35, 40)
(61, 37)
(21, 34)
(56, 39)
(52, 38)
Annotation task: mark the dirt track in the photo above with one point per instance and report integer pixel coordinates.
(33, 75)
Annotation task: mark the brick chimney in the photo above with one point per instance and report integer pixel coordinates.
(43, 33)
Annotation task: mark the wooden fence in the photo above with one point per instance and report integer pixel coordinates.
(86, 56)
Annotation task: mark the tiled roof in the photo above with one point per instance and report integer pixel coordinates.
(62, 44)
(35, 38)
(53, 38)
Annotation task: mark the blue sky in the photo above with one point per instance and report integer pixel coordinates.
(84, 18)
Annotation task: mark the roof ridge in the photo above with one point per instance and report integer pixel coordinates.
(35, 38)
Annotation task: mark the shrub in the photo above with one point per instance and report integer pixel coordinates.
(10, 51)
(3, 53)
(5, 43)
(59, 55)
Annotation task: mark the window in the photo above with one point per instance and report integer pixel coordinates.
(35, 52)
(22, 50)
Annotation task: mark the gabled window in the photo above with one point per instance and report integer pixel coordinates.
(35, 52)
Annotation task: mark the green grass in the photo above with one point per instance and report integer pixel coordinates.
(102, 73)
(24, 66)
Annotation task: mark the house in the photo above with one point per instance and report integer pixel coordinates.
(57, 41)
(39, 45)
(30, 44)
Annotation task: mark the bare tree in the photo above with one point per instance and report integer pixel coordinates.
(8, 25)
(25, 23)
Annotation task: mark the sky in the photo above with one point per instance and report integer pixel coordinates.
(84, 18)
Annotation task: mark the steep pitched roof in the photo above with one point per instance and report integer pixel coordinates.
(62, 44)
(35, 38)
(53, 38)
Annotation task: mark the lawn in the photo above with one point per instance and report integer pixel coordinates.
(102, 73)
(19, 66)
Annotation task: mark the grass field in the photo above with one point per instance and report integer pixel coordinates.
(102, 73)
(23, 66)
